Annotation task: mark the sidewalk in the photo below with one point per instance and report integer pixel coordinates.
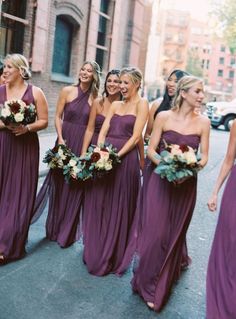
(46, 141)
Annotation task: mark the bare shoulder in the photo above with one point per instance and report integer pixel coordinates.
(156, 104)
(164, 115)
(37, 92)
(204, 120)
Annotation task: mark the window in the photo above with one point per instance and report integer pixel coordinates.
(102, 39)
(231, 74)
(62, 46)
(222, 48)
(232, 61)
(220, 73)
(12, 27)
(207, 64)
(221, 60)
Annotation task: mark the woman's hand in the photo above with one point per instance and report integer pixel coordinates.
(18, 129)
(212, 203)
(61, 140)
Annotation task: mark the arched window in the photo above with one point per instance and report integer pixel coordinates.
(62, 46)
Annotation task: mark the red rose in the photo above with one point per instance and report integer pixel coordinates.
(184, 148)
(95, 157)
(15, 107)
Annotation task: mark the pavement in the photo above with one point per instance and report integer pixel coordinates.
(53, 283)
(46, 140)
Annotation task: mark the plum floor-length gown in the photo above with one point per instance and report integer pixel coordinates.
(19, 161)
(111, 203)
(65, 200)
(168, 211)
(221, 273)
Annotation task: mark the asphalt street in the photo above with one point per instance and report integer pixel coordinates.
(52, 283)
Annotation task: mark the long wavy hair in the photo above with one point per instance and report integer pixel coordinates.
(166, 102)
(95, 85)
(184, 85)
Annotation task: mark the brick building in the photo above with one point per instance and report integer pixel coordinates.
(57, 36)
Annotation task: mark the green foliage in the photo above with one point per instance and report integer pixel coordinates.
(226, 14)
(194, 63)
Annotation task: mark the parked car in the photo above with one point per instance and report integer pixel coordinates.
(221, 113)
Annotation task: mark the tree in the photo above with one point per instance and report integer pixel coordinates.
(194, 63)
(226, 14)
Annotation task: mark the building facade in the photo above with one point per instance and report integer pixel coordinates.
(57, 36)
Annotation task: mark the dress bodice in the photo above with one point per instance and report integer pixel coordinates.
(27, 96)
(122, 125)
(77, 111)
(174, 137)
(98, 123)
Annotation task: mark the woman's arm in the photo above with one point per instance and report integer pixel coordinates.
(152, 111)
(155, 137)
(90, 127)
(141, 119)
(225, 168)
(62, 100)
(141, 153)
(106, 124)
(42, 115)
(2, 125)
(204, 145)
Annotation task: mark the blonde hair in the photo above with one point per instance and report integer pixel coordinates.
(184, 84)
(135, 75)
(21, 63)
(95, 85)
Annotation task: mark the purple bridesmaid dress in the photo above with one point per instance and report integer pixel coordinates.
(221, 273)
(19, 161)
(168, 211)
(65, 200)
(110, 205)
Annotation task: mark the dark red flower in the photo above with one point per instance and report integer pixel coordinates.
(184, 148)
(15, 107)
(95, 157)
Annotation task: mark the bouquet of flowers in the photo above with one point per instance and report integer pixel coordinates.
(177, 162)
(99, 161)
(17, 112)
(62, 158)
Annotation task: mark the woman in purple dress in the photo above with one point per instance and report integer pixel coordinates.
(65, 200)
(99, 110)
(112, 199)
(168, 208)
(19, 159)
(221, 273)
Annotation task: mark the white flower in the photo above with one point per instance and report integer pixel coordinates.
(60, 163)
(104, 155)
(100, 164)
(5, 112)
(19, 117)
(61, 154)
(175, 150)
(108, 166)
(190, 158)
(72, 162)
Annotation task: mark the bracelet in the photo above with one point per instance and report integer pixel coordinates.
(28, 128)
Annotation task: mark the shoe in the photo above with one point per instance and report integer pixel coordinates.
(3, 260)
(150, 305)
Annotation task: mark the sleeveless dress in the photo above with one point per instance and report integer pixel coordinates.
(111, 203)
(19, 162)
(168, 211)
(88, 184)
(221, 273)
(65, 200)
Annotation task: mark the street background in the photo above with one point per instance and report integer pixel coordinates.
(52, 283)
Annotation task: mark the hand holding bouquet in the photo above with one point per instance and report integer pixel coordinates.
(17, 112)
(100, 160)
(177, 162)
